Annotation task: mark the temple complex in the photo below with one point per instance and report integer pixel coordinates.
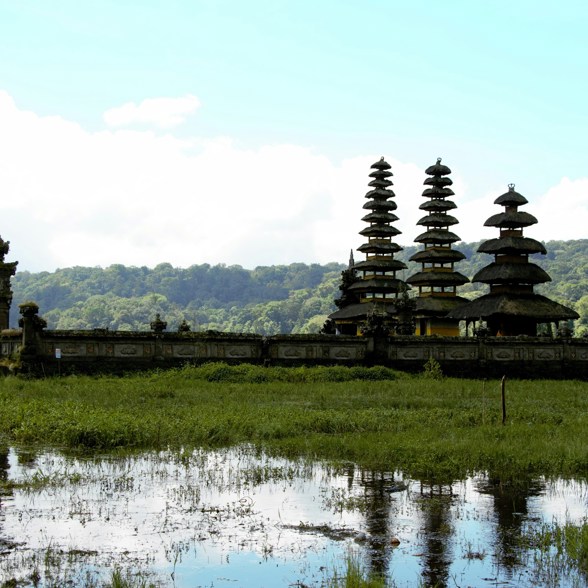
(370, 288)
(437, 281)
(512, 307)
(374, 303)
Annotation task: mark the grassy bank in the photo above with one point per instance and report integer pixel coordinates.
(429, 428)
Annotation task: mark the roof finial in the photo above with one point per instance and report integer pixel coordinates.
(382, 158)
(438, 160)
(511, 187)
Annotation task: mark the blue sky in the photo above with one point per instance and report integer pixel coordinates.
(242, 132)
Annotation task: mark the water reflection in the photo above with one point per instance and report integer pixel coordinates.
(377, 488)
(435, 503)
(511, 498)
(239, 518)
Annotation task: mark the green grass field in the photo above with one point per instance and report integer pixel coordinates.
(434, 429)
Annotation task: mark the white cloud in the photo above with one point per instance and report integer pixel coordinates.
(71, 197)
(164, 113)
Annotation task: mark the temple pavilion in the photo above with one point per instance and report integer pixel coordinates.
(437, 281)
(512, 307)
(370, 288)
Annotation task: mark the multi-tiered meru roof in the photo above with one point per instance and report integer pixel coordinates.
(376, 286)
(512, 307)
(437, 281)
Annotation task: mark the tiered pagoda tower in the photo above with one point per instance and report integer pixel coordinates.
(375, 285)
(7, 270)
(512, 307)
(437, 281)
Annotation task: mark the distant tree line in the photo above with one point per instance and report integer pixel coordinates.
(294, 298)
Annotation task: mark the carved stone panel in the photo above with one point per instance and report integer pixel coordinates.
(457, 353)
(238, 351)
(126, 350)
(185, 350)
(343, 353)
(410, 353)
(71, 349)
(290, 352)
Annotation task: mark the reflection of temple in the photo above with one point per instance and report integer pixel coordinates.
(435, 505)
(510, 505)
(4, 465)
(376, 486)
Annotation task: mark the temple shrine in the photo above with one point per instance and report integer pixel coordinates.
(438, 280)
(370, 288)
(512, 307)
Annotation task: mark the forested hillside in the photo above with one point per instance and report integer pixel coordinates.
(291, 298)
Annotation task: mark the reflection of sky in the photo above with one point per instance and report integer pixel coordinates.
(223, 517)
(563, 500)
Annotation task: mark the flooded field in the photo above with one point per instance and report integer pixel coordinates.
(240, 518)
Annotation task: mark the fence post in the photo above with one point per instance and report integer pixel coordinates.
(502, 390)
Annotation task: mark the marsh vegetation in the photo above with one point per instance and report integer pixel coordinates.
(310, 471)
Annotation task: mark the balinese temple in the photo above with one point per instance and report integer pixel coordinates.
(511, 307)
(7, 270)
(437, 281)
(374, 288)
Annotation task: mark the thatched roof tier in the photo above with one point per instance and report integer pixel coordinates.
(511, 198)
(380, 166)
(512, 273)
(437, 205)
(360, 311)
(511, 219)
(435, 192)
(381, 247)
(438, 182)
(437, 220)
(437, 236)
(380, 231)
(378, 284)
(438, 169)
(438, 305)
(380, 183)
(531, 306)
(380, 217)
(437, 278)
(380, 205)
(380, 194)
(440, 255)
(512, 245)
(381, 265)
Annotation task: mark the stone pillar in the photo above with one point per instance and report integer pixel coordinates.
(7, 270)
(158, 326)
(32, 325)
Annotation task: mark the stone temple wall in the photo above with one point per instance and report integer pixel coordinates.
(45, 352)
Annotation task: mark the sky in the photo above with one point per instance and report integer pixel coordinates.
(242, 132)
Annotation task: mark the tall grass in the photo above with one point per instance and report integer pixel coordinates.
(378, 418)
(354, 576)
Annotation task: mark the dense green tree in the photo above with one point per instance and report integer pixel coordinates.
(293, 298)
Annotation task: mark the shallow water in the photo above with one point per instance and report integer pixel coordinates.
(239, 518)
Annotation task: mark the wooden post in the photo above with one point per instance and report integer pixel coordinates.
(502, 390)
